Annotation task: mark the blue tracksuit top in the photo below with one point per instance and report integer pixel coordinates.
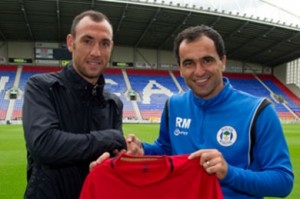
(223, 122)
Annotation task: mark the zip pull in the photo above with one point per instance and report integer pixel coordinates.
(94, 90)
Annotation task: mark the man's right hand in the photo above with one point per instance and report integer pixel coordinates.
(134, 145)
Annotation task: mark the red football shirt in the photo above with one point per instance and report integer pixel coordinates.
(150, 177)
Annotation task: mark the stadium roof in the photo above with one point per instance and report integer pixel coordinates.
(153, 24)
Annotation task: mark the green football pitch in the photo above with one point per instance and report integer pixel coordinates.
(13, 155)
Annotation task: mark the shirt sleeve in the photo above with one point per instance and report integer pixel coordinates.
(162, 145)
(270, 173)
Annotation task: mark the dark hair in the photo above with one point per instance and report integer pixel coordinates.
(192, 33)
(94, 15)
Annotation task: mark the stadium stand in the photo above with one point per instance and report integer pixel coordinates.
(267, 86)
(27, 72)
(282, 94)
(180, 80)
(115, 83)
(7, 78)
(151, 88)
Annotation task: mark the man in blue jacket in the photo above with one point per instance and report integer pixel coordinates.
(238, 137)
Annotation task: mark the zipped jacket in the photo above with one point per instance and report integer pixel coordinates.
(249, 137)
(67, 123)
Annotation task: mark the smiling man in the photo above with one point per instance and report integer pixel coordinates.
(201, 67)
(233, 132)
(68, 119)
(90, 43)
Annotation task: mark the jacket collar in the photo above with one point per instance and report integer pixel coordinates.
(216, 100)
(85, 90)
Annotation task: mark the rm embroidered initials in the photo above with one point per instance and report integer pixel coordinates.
(183, 122)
